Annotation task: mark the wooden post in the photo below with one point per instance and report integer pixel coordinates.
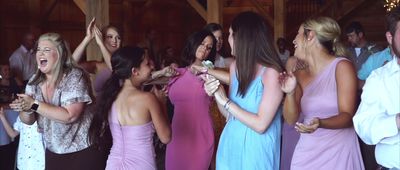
(214, 11)
(100, 10)
(279, 19)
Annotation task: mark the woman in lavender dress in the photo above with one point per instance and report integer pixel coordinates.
(132, 114)
(325, 93)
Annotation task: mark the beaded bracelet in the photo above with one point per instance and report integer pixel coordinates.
(227, 104)
(228, 113)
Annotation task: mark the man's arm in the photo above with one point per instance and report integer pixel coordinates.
(371, 121)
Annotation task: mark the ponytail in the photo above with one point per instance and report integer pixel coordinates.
(339, 49)
(100, 125)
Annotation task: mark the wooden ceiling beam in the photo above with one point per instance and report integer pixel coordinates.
(200, 9)
(263, 12)
(81, 5)
(48, 11)
(213, 12)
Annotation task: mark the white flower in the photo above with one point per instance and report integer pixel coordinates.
(208, 64)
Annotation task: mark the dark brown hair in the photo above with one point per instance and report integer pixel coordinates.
(253, 45)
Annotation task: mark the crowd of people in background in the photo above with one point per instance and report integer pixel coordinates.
(324, 106)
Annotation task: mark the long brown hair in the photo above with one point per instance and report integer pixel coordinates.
(253, 45)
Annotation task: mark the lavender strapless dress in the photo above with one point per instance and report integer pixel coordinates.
(132, 145)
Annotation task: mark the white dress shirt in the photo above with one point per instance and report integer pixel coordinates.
(23, 63)
(375, 120)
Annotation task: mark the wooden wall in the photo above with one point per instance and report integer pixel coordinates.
(372, 17)
(173, 20)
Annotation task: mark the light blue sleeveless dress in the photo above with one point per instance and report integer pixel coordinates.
(240, 147)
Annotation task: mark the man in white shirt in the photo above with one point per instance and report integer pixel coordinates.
(377, 120)
(22, 61)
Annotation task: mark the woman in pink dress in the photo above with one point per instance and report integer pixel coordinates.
(324, 92)
(192, 144)
(132, 114)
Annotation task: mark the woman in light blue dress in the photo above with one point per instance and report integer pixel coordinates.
(251, 137)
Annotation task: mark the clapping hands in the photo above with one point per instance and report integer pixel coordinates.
(22, 103)
(92, 31)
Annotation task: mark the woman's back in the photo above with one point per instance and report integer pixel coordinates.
(132, 140)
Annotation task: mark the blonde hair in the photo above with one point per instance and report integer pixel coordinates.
(64, 62)
(328, 33)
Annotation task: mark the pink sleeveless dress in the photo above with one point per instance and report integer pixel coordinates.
(192, 142)
(132, 145)
(327, 149)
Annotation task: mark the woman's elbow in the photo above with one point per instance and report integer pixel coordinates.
(261, 128)
(166, 139)
(70, 119)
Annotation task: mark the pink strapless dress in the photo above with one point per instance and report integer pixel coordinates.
(132, 145)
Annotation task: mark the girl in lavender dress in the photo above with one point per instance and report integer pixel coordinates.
(132, 114)
(325, 94)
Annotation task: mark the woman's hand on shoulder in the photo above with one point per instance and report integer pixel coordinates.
(161, 94)
(199, 69)
(169, 71)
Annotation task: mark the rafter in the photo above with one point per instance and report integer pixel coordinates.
(197, 6)
(82, 5)
(48, 10)
(263, 12)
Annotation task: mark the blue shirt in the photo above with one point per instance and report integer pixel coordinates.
(373, 62)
